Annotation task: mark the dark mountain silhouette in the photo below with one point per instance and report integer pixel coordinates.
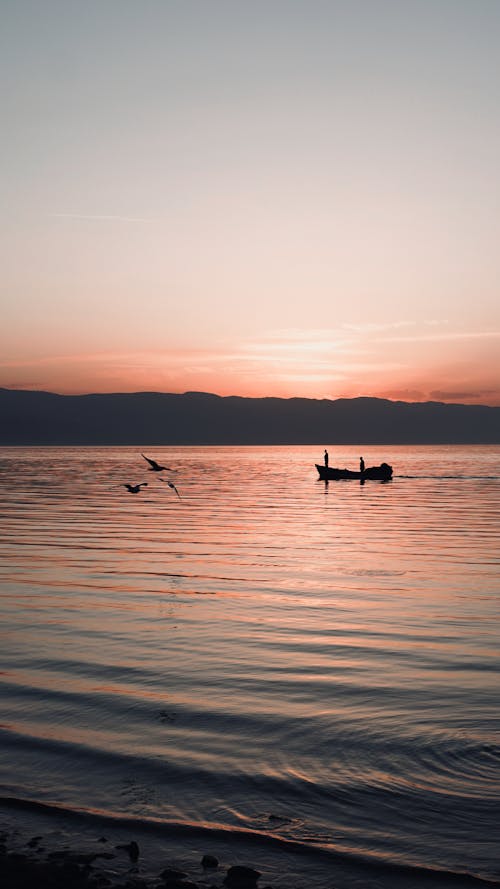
(43, 418)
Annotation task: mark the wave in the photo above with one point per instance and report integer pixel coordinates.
(453, 477)
(210, 833)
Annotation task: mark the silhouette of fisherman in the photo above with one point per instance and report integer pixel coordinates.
(361, 465)
(326, 458)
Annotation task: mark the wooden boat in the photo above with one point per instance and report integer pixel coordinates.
(376, 473)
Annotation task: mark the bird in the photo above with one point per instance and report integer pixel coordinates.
(134, 489)
(155, 467)
(171, 485)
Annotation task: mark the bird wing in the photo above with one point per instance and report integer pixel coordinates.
(152, 463)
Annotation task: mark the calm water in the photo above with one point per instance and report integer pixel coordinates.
(269, 659)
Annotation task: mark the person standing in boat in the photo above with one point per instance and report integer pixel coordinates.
(326, 458)
(361, 465)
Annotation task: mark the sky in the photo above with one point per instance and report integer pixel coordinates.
(251, 197)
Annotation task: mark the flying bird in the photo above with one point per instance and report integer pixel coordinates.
(155, 467)
(171, 485)
(134, 489)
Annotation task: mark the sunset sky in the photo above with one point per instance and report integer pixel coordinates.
(251, 197)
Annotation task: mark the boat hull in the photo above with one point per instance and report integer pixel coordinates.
(375, 473)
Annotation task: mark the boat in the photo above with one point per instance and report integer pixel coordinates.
(376, 473)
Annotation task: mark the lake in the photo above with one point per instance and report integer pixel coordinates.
(304, 673)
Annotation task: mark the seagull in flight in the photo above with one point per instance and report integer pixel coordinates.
(134, 489)
(171, 485)
(155, 467)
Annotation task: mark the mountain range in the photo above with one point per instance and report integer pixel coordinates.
(154, 418)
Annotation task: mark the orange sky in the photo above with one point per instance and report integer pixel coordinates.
(287, 200)
(347, 362)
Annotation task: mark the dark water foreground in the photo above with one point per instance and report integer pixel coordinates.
(283, 674)
(44, 847)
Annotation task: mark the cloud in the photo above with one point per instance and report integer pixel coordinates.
(300, 345)
(461, 394)
(101, 217)
(447, 336)
(20, 385)
(376, 327)
(355, 338)
(403, 394)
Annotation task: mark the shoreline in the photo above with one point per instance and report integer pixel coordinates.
(66, 858)
(58, 851)
(50, 851)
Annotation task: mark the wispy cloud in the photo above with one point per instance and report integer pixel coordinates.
(16, 384)
(461, 394)
(376, 327)
(444, 336)
(101, 217)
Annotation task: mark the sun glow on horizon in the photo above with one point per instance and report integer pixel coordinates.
(379, 360)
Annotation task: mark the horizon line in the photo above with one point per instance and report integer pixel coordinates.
(247, 397)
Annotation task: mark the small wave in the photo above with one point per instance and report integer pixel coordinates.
(452, 477)
(364, 863)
